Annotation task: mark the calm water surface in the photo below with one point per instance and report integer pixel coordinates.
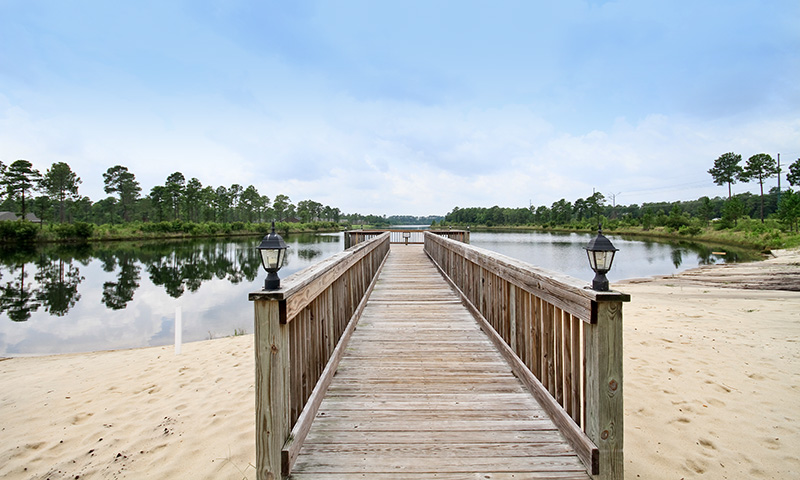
(564, 252)
(125, 295)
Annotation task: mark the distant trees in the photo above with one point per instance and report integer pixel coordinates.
(179, 200)
(122, 182)
(794, 173)
(61, 183)
(789, 208)
(19, 179)
(760, 166)
(706, 209)
(176, 200)
(282, 206)
(726, 169)
(193, 199)
(173, 194)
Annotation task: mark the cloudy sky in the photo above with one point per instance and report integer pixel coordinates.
(403, 107)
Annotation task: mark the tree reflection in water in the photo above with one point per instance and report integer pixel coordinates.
(58, 284)
(18, 300)
(188, 265)
(177, 266)
(116, 295)
(49, 277)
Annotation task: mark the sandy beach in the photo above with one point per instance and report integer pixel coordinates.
(712, 373)
(712, 390)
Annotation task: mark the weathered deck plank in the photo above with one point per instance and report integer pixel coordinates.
(422, 393)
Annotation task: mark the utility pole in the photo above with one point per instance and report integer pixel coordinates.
(614, 203)
(779, 179)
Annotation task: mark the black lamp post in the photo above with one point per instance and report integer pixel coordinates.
(601, 255)
(273, 254)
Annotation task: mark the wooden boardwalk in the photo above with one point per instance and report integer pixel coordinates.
(421, 392)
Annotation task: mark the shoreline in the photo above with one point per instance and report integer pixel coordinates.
(733, 239)
(711, 385)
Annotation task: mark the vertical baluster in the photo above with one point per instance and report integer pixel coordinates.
(512, 317)
(548, 347)
(536, 341)
(526, 316)
(577, 367)
(558, 352)
(568, 361)
(296, 367)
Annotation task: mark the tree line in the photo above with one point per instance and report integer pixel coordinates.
(54, 196)
(684, 216)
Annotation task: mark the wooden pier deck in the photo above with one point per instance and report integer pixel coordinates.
(421, 392)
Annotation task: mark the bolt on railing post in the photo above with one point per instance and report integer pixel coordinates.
(272, 388)
(604, 406)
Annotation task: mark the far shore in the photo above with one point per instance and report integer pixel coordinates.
(711, 387)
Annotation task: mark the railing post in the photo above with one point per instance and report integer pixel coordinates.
(272, 388)
(604, 409)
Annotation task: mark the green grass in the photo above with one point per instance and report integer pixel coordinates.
(27, 233)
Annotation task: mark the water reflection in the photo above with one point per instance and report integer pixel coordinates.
(60, 299)
(18, 299)
(137, 286)
(58, 284)
(562, 252)
(116, 295)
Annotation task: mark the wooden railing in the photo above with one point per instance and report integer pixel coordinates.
(402, 236)
(563, 340)
(300, 333)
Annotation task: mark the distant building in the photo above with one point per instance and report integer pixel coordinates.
(5, 216)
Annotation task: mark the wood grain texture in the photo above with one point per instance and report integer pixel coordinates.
(573, 346)
(421, 392)
(604, 396)
(303, 424)
(272, 388)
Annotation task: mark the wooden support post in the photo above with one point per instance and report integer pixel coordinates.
(604, 409)
(272, 388)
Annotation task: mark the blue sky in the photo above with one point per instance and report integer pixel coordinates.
(409, 107)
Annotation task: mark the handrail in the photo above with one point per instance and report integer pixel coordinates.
(563, 340)
(301, 330)
(402, 236)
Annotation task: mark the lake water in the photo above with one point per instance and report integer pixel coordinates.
(63, 299)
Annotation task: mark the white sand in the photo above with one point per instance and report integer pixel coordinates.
(712, 390)
(143, 413)
(712, 377)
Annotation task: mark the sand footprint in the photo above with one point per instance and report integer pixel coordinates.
(79, 418)
(696, 466)
(149, 387)
(704, 442)
(773, 443)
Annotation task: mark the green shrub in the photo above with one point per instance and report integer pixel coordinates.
(18, 231)
(689, 230)
(75, 231)
(83, 230)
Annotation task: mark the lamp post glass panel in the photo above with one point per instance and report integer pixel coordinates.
(273, 254)
(601, 254)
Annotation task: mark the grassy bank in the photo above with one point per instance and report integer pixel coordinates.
(749, 234)
(21, 232)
